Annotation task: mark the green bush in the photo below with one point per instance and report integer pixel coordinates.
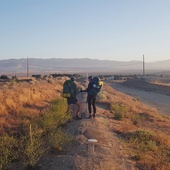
(143, 140)
(32, 147)
(8, 145)
(38, 136)
(58, 139)
(55, 116)
(119, 110)
(135, 118)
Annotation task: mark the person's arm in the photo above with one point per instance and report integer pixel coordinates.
(75, 89)
(88, 88)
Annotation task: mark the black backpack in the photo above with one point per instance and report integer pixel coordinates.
(68, 89)
(96, 86)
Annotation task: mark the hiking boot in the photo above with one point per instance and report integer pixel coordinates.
(78, 118)
(69, 121)
(89, 117)
(94, 115)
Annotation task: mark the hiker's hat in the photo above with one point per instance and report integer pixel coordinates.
(72, 78)
(90, 78)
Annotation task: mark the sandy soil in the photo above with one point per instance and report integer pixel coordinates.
(153, 95)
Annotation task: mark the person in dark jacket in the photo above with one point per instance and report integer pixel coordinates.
(91, 99)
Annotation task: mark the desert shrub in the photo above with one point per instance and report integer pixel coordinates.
(102, 96)
(135, 118)
(118, 116)
(55, 116)
(136, 157)
(150, 162)
(143, 140)
(58, 139)
(147, 149)
(8, 146)
(32, 147)
(119, 110)
(44, 133)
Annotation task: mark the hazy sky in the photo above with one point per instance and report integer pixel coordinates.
(121, 30)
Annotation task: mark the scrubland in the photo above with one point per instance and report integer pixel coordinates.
(146, 132)
(32, 117)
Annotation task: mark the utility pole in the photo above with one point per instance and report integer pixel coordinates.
(27, 68)
(143, 66)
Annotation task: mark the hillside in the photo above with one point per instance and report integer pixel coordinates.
(54, 65)
(121, 124)
(111, 151)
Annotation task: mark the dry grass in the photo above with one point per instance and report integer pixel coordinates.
(22, 102)
(39, 107)
(141, 118)
(25, 100)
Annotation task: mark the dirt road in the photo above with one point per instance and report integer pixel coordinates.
(161, 102)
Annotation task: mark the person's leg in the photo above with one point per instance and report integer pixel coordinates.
(89, 101)
(78, 108)
(77, 103)
(69, 109)
(94, 106)
(69, 106)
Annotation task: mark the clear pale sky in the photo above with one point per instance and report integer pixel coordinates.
(121, 30)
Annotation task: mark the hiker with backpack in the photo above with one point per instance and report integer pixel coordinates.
(70, 92)
(92, 90)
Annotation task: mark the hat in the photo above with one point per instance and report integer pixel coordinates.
(90, 78)
(72, 78)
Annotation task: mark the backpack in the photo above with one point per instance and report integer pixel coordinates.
(97, 85)
(68, 89)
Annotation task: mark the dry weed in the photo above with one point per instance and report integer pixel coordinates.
(28, 99)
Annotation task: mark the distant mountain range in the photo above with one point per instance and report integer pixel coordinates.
(81, 65)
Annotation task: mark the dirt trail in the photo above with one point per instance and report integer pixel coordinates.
(110, 153)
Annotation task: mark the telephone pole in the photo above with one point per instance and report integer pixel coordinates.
(27, 68)
(143, 65)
